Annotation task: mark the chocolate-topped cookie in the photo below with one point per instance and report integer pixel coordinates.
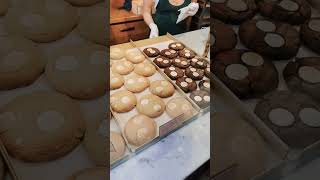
(181, 62)
(176, 46)
(290, 11)
(187, 53)
(186, 84)
(162, 62)
(233, 11)
(269, 38)
(204, 85)
(169, 53)
(222, 37)
(201, 98)
(199, 63)
(194, 73)
(310, 34)
(151, 51)
(174, 72)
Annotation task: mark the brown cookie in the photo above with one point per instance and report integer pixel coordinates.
(151, 52)
(201, 98)
(194, 73)
(199, 63)
(174, 72)
(290, 11)
(246, 73)
(222, 37)
(187, 53)
(169, 53)
(181, 62)
(233, 11)
(162, 62)
(176, 46)
(204, 85)
(310, 34)
(273, 39)
(207, 71)
(186, 84)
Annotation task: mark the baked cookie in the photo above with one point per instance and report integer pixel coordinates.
(246, 73)
(162, 88)
(186, 84)
(84, 2)
(162, 62)
(140, 129)
(98, 173)
(194, 73)
(303, 75)
(92, 25)
(199, 63)
(151, 105)
(169, 53)
(117, 146)
(179, 105)
(233, 11)
(204, 85)
(174, 72)
(116, 53)
(290, 11)
(176, 46)
(21, 62)
(145, 69)
(151, 52)
(293, 116)
(33, 125)
(116, 81)
(41, 20)
(136, 83)
(122, 67)
(4, 5)
(80, 72)
(187, 53)
(207, 71)
(201, 98)
(181, 62)
(310, 34)
(222, 37)
(273, 39)
(123, 101)
(134, 56)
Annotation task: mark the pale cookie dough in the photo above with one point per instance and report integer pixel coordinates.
(21, 62)
(117, 146)
(151, 105)
(136, 83)
(4, 5)
(145, 69)
(122, 67)
(79, 72)
(92, 25)
(98, 173)
(41, 126)
(42, 20)
(116, 53)
(123, 101)
(140, 129)
(134, 56)
(178, 106)
(116, 81)
(83, 2)
(162, 88)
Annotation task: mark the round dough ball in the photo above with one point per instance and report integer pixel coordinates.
(151, 105)
(123, 101)
(42, 20)
(98, 173)
(136, 83)
(116, 81)
(122, 67)
(83, 2)
(151, 51)
(162, 88)
(117, 146)
(4, 5)
(145, 69)
(41, 126)
(201, 98)
(116, 53)
(140, 129)
(176, 46)
(179, 105)
(169, 53)
(310, 34)
(21, 62)
(134, 56)
(223, 37)
(78, 71)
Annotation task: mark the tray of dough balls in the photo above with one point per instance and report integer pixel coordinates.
(145, 105)
(244, 147)
(272, 64)
(184, 67)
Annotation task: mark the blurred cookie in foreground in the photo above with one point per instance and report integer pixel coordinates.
(310, 34)
(223, 37)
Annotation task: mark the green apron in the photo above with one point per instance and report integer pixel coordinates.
(166, 17)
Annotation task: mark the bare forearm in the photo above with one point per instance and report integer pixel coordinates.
(147, 18)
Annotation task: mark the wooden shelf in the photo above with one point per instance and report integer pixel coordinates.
(121, 16)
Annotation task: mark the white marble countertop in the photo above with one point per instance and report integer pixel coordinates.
(179, 154)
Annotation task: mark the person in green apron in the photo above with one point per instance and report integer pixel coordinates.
(167, 13)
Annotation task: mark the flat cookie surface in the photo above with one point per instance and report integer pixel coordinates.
(151, 105)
